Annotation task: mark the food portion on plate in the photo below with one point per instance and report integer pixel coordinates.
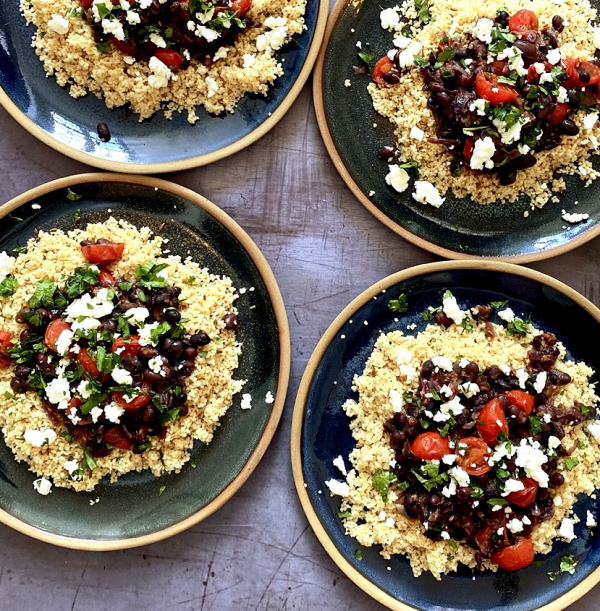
(473, 438)
(174, 55)
(115, 355)
(492, 100)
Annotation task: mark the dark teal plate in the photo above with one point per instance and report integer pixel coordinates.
(130, 511)
(320, 432)
(155, 145)
(461, 228)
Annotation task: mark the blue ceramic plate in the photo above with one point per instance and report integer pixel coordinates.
(460, 228)
(131, 511)
(321, 432)
(155, 145)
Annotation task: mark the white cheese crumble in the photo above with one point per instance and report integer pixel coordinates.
(389, 18)
(90, 307)
(531, 459)
(469, 389)
(483, 30)
(95, 413)
(58, 24)
(590, 521)
(269, 398)
(573, 218)
(212, 86)
(63, 343)
(443, 362)
(246, 401)
(72, 467)
(43, 486)
(338, 488)
(339, 463)
(566, 529)
(39, 438)
(136, 316)
(7, 265)
(540, 382)
(58, 391)
(459, 476)
(594, 429)
(590, 120)
(426, 193)
(553, 56)
(507, 315)
(396, 400)
(416, 133)
(483, 151)
(161, 73)
(113, 412)
(397, 178)
(121, 376)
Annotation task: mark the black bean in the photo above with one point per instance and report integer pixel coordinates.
(171, 315)
(109, 325)
(24, 335)
(584, 76)
(133, 363)
(147, 352)
(558, 23)
(152, 377)
(23, 371)
(231, 321)
(502, 17)
(387, 152)
(21, 314)
(391, 76)
(568, 127)
(175, 347)
(103, 132)
(200, 339)
(191, 354)
(17, 385)
(557, 479)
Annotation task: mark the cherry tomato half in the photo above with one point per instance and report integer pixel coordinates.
(561, 110)
(475, 456)
(385, 64)
(53, 332)
(492, 422)
(138, 401)
(102, 254)
(86, 3)
(126, 47)
(5, 343)
(488, 88)
(468, 149)
(131, 345)
(523, 400)
(525, 497)
(169, 58)
(514, 557)
(485, 537)
(117, 439)
(573, 68)
(106, 278)
(430, 446)
(241, 7)
(522, 21)
(89, 364)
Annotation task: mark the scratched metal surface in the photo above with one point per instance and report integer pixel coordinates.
(258, 551)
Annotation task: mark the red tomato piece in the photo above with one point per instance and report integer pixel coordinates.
(86, 3)
(53, 332)
(573, 67)
(522, 21)
(492, 422)
(103, 254)
(241, 7)
(385, 64)
(117, 439)
(532, 74)
(89, 365)
(430, 446)
(5, 343)
(169, 57)
(514, 557)
(561, 110)
(485, 537)
(106, 278)
(523, 400)
(475, 457)
(526, 497)
(468, 149)
(131, 345)
(138, 401)
(488, 88)
(127, 47)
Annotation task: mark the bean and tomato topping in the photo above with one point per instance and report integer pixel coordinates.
(479, 451)
(502, 94)
(172, 31)
(108, 356)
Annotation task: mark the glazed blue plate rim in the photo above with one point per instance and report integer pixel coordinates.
(310, 472)
(459, 231)
(23, 92)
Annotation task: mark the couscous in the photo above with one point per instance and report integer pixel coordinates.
(170, 54)
(114, 355)
(473, 439)
(486, 98)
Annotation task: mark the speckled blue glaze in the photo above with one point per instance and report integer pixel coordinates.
(460, 225)
(154, 141)
(326, 434)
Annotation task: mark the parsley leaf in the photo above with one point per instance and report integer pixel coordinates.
(571, 462)
(148, 277)
(400, 304)
(422, 8)
(80, 281)
(381, 482)
(8, 286)
(366, 57)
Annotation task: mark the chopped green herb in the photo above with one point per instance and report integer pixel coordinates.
(453, 544)
(16, 218)
(18, 249)
(8, 286)
(366, 57)
(9, 395)
(161, 490)
(467, 324)
(400, 304)
(88, 459)
(498, 305)
(381, 482)
(571, 462)
(80, 281)
(493, 502)
(72, 196)
(77, 214)
(568, 564)
(422, 8)
(358, 555)
(518, 327)
(343, 514)
(536, 425)
(147, 274)
(68, 438)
